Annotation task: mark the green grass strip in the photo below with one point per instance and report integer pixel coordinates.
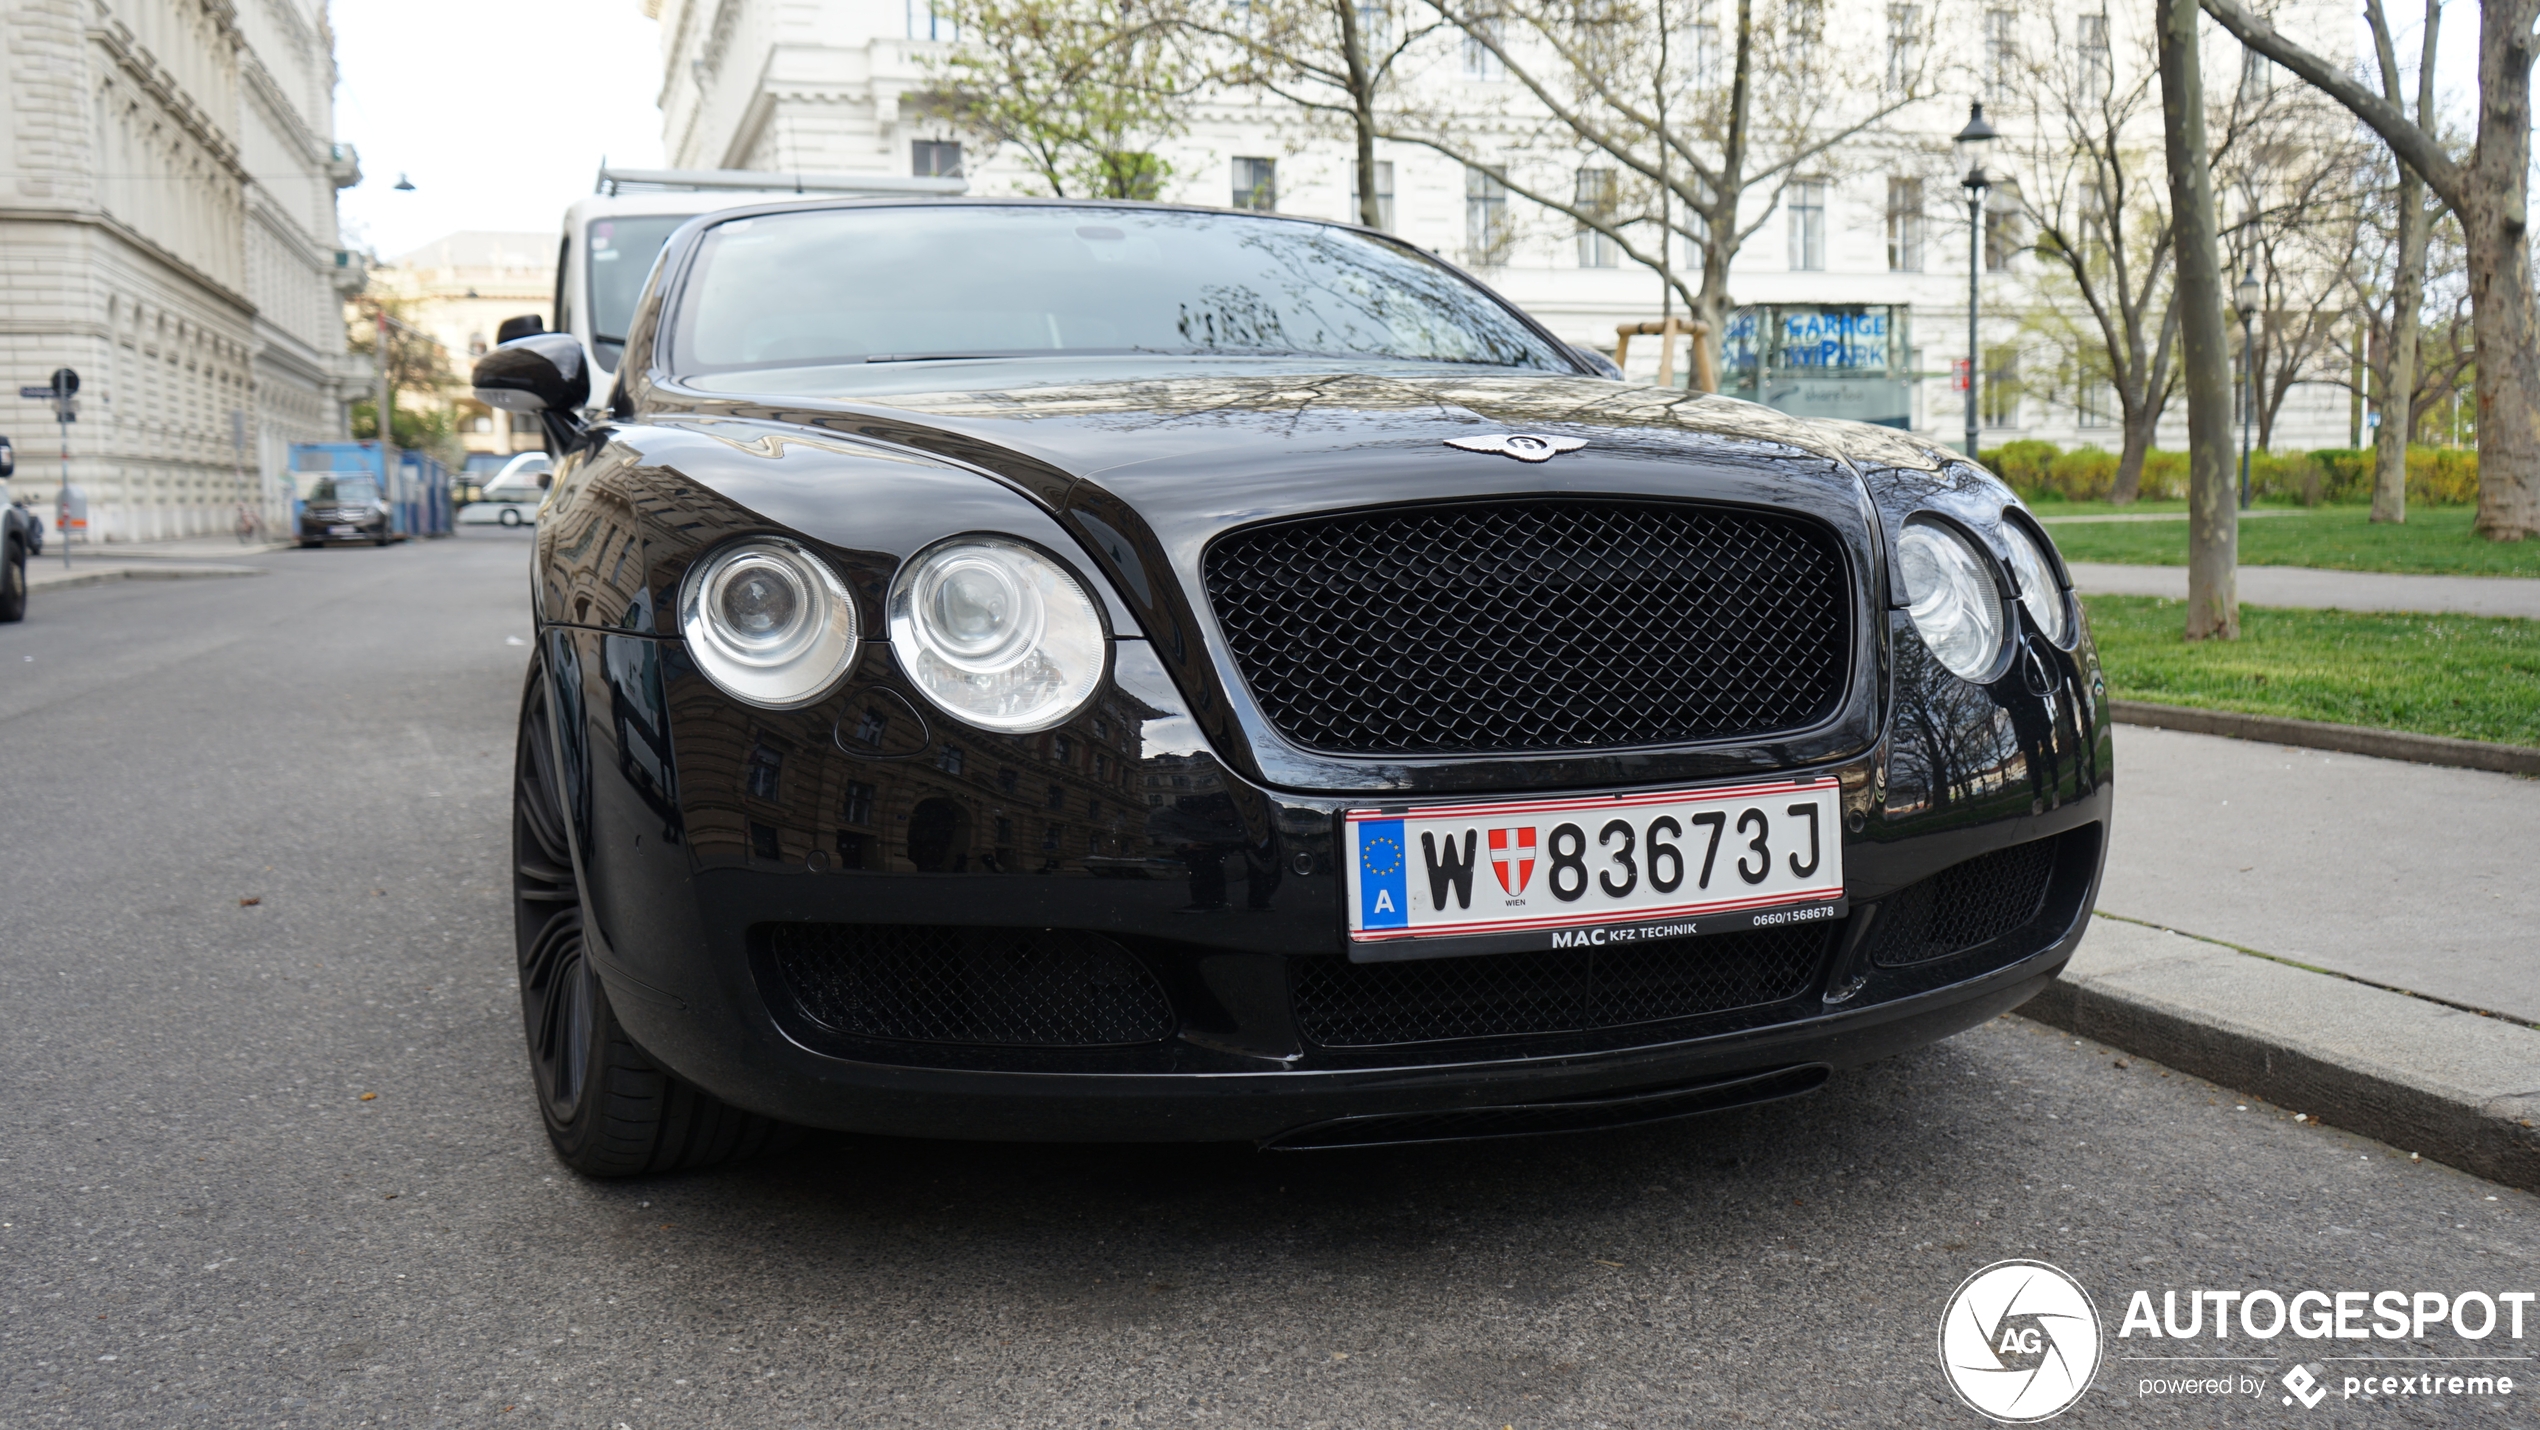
(2472, 677)
(2435, 541)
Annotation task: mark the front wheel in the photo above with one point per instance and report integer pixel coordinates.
(610, 1110)
(509, 517)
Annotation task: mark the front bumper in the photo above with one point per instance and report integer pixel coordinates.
(701, 827)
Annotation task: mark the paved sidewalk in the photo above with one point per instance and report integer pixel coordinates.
(2339, 590)
(2414, 876)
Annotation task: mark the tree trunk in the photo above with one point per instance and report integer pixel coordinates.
(1362, 110)
(2495, 225)
(2213, 521)
(2398, 398)
(2134, 445)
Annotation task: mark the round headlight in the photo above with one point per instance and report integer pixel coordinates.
(996, 633)
(2042, 598)
(1955, 604)
(769, 622)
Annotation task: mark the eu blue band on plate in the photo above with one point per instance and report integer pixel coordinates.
(1383, 876)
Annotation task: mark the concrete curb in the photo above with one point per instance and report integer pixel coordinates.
(2320, 735)
(59, 580)
(2458, 1087)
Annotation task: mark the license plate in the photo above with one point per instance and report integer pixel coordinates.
(1565, 873)
(343, 530)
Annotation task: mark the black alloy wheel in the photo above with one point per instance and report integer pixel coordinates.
(13, 583)
(610, 1110)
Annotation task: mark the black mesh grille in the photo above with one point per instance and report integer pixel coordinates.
(1040, 988)
(1540, 625)
(1340, 1004)
(1964, 906)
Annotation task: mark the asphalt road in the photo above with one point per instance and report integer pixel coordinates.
(277, 1164)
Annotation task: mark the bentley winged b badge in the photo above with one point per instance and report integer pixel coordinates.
(1524, 446)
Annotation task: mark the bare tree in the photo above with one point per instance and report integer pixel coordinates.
(2489, 189)
(1083, 90)
(2437, 293)
(2091, 191)
(2213, 517)
(1692, 121)
(2414, 227)
(1334, 60)
(2297, 174)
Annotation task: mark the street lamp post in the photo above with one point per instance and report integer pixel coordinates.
(2251, 294)
(1973, 143)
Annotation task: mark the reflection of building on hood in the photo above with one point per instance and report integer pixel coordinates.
(1197, 819)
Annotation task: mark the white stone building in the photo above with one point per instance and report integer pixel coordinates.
(168, 230)
(819, 85)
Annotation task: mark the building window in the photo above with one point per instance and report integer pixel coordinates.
(871, 726)
(1904, 48)
(853, 849)
(948, 759)
(2098, 74)
(1058, 796)
(1706, 56)
(1904, 225)
(1062, 749)
(1480, 60)
(2091, 404)
(1007, 779)
(1596, 195)
(2001, 51)
(935, 159)
(924, 23)
(1005, 833)
(1049, 838)
(2257, 78)
(526, 424)
(858, 806)
(2001, 404)
(1384, 194)
(1375, 27)
(1807, 203)
(2001, 231)
(766, 767)
(763, 841)
(1485, 216)
(1257, 185)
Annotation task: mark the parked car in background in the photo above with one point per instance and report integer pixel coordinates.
(612, 237)
(512, 497)
(21, 536)
(341, 507)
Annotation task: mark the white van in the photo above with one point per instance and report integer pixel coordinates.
(612, 237)
(512, 497)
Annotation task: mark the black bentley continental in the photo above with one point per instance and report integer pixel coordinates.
(1051, 670)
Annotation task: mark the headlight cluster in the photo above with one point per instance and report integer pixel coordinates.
(993, 631)
(1956, 603)
(769, 622)
(996, 633)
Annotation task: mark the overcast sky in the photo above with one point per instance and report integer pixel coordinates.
(499, 111)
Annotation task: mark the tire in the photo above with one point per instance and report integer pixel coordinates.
(610, 1110)
(509, 517)
(13, 584)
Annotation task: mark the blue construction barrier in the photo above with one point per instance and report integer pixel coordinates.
(418, 500)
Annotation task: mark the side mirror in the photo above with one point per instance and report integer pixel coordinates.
(539, 373)
(520, 327)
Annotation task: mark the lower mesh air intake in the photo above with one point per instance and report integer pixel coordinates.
(1965, 906)
(1033, 988)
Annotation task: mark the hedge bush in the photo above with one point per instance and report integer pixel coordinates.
(2437, 476)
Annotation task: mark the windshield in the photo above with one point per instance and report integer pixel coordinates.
(349, 490)
(620, 256)
(903, 284)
